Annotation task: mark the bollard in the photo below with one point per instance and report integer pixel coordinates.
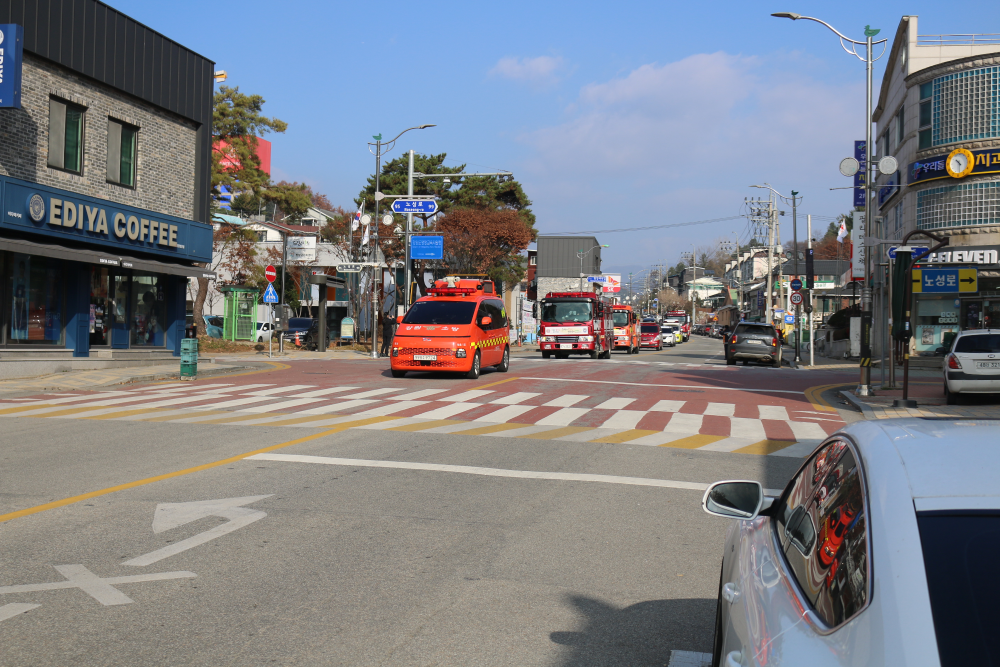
(189, 358)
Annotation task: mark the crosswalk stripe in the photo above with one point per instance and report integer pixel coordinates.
(773, 412)
(376, 392)
(236, 402)
(492, 428)
(337, 407)
(424, 425)
(667, 406)
(727, 445)
(693, 441)
(467, 395)
(506, 414)
(551, 433)
(563, 417)
(565, 401)
(447, 411)
(624, 419)
(615, 403)
(625, 436)
(721, 409)
(765, 447)
(683, 423)
(590, 435)
(280, 390)
(325, 392)
(806, 430)
(392, 408)
(422, 393)
(751, 429)
(513, 399)
(280, 405)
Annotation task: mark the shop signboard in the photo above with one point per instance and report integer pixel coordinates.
(977, 255)
(11, 48)
(858, 246)
(888, 189)
(60, 215)
(944, 281)
(859, 178)
(934, 168)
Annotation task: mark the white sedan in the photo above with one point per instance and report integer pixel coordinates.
(972, 366)
(880, 551)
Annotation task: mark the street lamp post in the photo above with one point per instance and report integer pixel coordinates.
(864, 386)
(378, 153)
(583, 253)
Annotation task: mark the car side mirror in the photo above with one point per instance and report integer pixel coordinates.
(486, 321)
(736, 499)
(399, 319)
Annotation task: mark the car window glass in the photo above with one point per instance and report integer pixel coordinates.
(650, 328)
(500, 320)
(981, 343)
(440, 312)
(823, 531)
(484, 311)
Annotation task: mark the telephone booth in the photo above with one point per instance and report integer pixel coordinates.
(239, 312)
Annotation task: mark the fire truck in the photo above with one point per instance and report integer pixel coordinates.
(575, 323)
(626, 331)
(679, 318)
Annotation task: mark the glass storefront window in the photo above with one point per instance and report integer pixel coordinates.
(148, 314)
(35, 293)
(100, 307)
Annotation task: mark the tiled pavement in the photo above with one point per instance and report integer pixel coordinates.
(873, 410)
(107, 377)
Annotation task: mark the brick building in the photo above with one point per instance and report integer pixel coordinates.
(105, 167)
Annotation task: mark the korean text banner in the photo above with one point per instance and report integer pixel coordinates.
(11, 51)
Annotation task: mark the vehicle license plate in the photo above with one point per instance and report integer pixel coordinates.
(425, 357)
(566, 346)
(751, 341)
(988, 364)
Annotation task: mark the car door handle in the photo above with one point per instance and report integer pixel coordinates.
(734, 659)
(730, 592)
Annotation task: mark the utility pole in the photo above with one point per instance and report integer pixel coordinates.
(694, 274)
(795, 264)
(812, 307)
(772, 217)
(409, 231)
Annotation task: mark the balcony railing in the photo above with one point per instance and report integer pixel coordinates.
(959, 40)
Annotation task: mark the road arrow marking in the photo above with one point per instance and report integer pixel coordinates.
(173, 515)
(101, 589)
(14, 609)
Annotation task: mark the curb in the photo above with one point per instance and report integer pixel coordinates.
(176, 375)
(866, 409)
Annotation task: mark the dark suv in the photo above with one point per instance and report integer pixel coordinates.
(753, 342)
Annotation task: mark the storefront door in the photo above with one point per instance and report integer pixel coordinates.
(100, 302)
(118, 307)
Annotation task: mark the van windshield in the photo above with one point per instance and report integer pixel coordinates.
(621, 318)
(567, 311)
(440, 312)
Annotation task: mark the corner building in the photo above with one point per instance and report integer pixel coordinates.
(938, 114)
(105, 174)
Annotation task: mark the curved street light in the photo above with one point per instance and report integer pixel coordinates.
(583, 253)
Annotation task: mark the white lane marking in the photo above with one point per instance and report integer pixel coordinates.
(390, 408)
(773, 412)
(172, 515)
(337, 407)
(671, 386)
(324, 392)
(689, 659)
(624, 419)
(467, 396)
(562, 417)
(487, 472)
(448, 411)
(684, 423)
(280, 404)
(747, 428)
(615, 403)
(280, 390)
(513, 399)
(807, 430)
(101, 589)
(422, 393)
(565, 401)
(504, 415)
(14, 609)
(668, 406)
(721, 409)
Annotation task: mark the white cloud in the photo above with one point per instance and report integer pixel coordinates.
(542, 69)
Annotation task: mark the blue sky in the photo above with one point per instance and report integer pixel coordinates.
(611, 115)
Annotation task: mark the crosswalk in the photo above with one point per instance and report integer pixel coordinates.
(763, 426)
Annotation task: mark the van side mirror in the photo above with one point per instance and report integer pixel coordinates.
(399, 319)
(486, 321)
(736, 499)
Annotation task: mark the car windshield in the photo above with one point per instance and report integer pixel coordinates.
(650, 328)
(667, 329)
(959, 560)
(440, 312)
(566, 311)
(978, 343)
(621, 318)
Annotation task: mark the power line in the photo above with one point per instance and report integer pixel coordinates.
(641, 229)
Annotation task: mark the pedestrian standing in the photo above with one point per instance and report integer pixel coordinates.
(387, 331)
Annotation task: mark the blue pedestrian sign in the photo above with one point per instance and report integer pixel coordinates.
(427, 247)
(427, 206)
(796, 284)
(270, 294)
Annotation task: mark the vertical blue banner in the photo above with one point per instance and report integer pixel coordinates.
(860, 178)
(11, 51)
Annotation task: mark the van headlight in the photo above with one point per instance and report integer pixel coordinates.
(395, 351)
(460, 353)
(586, 339)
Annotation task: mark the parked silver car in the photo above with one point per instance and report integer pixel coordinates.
(972, 366)
(880, 551)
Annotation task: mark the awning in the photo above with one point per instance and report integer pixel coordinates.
(102, 258)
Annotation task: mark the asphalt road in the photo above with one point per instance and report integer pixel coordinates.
(136, 530)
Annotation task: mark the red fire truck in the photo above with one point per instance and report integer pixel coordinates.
(575, 323)
(679, 318)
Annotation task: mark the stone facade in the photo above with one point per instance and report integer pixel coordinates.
(166, 143)
(546, 285)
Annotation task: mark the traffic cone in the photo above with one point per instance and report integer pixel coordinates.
(297, 343)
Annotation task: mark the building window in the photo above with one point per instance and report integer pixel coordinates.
(36, 300)
(122, 141)
(900, 127)
(533, 260)
(959, 205)
(898, 214)
(66, 135)
(926, 114)
(965, 106)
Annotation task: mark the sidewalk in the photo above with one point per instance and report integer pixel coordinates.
(930, 403)
(117, 376)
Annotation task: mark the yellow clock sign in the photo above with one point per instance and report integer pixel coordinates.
(930, 281)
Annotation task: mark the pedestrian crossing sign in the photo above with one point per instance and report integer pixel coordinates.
(270, 295)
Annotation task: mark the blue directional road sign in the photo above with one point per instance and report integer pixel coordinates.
(796, 284)
(945, 280)
(270, 295)
(426, 247)
(922, 251)
(415, 206)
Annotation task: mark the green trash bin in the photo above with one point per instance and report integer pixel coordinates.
(189, 358)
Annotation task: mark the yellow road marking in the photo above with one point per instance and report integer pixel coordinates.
(493, 428)
(186, 415)
(233, 418)
(177, 473)
(123, 413)
(302, 420)
(493, 384)
(625, 436)
(556, 432)
(694, 441)
(814, 396)
(423, 426)
(70, 411)
(22, 408)
(765, 447)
